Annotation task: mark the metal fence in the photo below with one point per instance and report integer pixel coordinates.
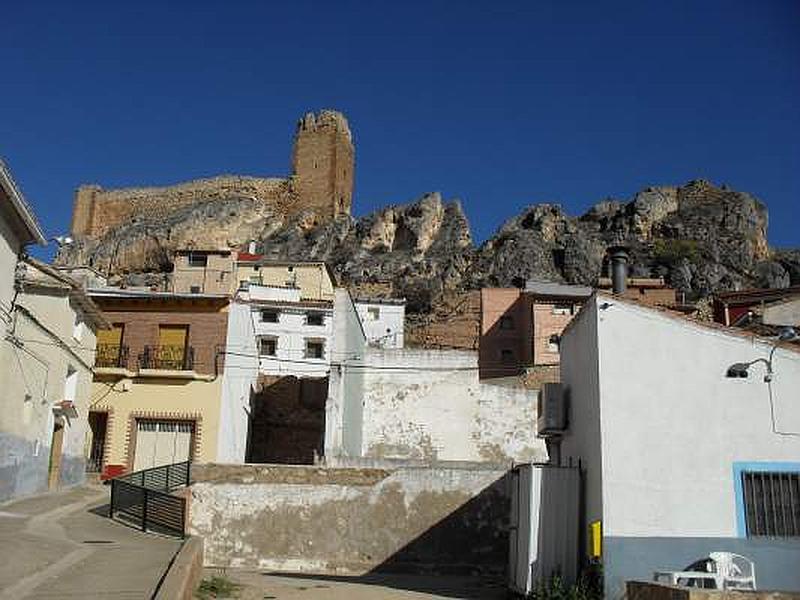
(143, 498)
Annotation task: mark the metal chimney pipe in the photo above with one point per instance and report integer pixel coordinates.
(619, 269)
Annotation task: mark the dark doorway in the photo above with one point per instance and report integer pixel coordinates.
(98, 422)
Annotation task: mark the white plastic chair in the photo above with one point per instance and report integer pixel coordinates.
(736, 572)
(725, 570)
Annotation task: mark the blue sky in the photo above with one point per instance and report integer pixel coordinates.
(500, 104)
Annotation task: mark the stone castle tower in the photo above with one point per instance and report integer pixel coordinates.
(323, 163)
(322, 180)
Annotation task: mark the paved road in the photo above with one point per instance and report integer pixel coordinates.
(259, 585)
(62, 545)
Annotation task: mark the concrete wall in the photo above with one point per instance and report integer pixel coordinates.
(352, 520)
(580, 375)
(33, 375)
(673, 429)
(429, 405)
(238, 380)
(344, 408)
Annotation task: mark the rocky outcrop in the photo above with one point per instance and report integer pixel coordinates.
(699, 237)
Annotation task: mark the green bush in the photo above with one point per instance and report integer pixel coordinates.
(671, 251)
(217, 587)
(588, 587)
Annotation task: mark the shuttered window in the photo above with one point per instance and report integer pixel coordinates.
(771, 503)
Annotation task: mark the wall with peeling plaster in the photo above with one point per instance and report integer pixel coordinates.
(429, 405)
(441, 519)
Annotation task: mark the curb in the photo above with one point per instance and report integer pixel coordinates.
(184, 572)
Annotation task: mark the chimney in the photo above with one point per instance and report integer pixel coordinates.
(619, 268)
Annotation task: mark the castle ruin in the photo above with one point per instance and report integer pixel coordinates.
(323, 165)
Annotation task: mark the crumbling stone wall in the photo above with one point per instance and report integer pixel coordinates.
(322, 180)
(442, 519)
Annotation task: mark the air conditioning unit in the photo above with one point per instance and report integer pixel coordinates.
(552, 419)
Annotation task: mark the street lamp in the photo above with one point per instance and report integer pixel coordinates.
(740, 370)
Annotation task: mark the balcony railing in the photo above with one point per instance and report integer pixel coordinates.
(173, 358)
(111, 356)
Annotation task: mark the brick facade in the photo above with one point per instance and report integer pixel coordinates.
(207, 320)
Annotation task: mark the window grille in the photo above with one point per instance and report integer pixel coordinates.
(771, 503)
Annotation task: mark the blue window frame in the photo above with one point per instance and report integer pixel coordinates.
(755, 475)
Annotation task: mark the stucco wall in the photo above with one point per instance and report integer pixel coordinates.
(579, 374)
(352, 520)
(238, 379)
(429, 405)
(157, 398)
(33, 379)
(672, 429)
(344, 409)
(313, 280)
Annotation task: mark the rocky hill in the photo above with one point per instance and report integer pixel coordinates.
(699, 237)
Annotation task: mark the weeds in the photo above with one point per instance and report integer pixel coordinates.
(217, 587)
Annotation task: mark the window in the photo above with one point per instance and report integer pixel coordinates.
(195, 289)
(268, 346)
(506, 356)
(506, 322)
(315, 349)
(314, 318)
(269, 316)
(562, 309)
(373, 313)
(771, 503)
(553, 343)
(198, 260)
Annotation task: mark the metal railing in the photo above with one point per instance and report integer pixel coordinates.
(111, 356)
(143, 498)
(174, 358)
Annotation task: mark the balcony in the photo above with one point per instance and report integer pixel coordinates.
(111, 356)
(167, 358)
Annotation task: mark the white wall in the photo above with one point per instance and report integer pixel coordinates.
(387, 331)
(344, 406)
(429, 405)
(34, 376)
(292, 332)
(579, 374)
(239, 377)
(673, 424)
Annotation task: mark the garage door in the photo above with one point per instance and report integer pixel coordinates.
(162, 443)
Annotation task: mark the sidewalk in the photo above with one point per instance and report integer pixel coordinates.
(62, 545)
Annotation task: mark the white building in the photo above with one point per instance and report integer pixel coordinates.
(383, 320)
(680, 459)
(293, 335)
(46, 356)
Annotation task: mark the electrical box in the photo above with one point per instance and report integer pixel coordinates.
(552, 419)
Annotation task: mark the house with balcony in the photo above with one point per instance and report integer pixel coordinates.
(158, 379)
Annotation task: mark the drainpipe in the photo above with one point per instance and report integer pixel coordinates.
(619, 269)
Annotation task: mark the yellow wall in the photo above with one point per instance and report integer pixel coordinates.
(161, 399)
(313, 280)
